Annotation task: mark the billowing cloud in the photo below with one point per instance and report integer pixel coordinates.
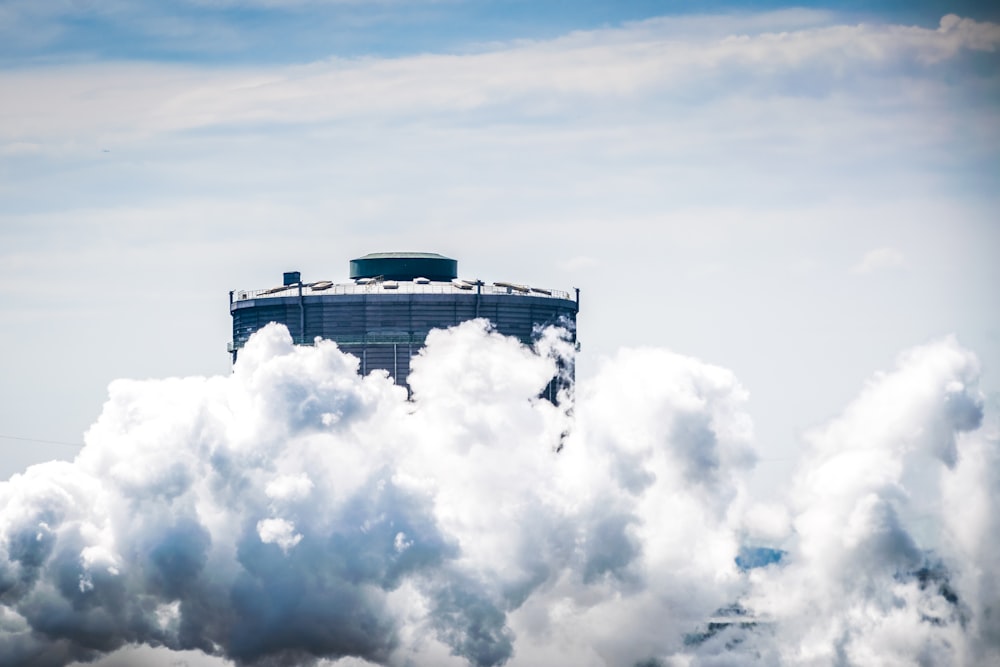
(873, 573)
(294, 511)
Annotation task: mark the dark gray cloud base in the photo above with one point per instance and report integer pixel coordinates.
(294, 512)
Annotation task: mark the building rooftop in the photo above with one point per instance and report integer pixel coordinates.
(418, 285)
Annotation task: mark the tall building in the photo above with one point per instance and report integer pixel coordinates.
(393, 299)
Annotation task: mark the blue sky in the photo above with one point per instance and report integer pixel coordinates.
(260, 31)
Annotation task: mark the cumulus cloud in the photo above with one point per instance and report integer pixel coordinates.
(295, 512)
(866, 580)
(278, 531)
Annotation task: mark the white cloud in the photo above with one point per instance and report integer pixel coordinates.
(859, 581)
(278, 531)
(289, 487)
(601, 67)
(458, 501)
(448, 530)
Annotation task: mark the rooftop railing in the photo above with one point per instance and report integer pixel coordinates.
(401, 287)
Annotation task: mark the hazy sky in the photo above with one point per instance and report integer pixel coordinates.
(794, 193)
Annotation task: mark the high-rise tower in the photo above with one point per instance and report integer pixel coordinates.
(392, 301)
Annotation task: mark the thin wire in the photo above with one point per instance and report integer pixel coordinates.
(48, 442)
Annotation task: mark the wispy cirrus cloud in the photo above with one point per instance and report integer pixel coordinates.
(639, 63)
